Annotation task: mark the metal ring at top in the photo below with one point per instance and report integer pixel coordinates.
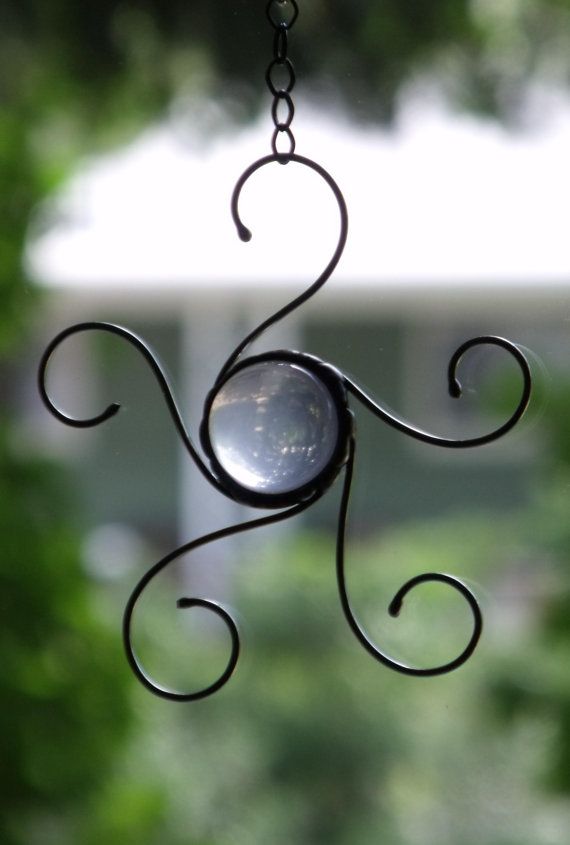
(286, 24)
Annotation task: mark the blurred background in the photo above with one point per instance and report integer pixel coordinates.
(123, 128)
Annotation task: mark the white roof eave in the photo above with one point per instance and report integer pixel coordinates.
(441, 203)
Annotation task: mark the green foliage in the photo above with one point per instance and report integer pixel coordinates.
(64, 697)
(312, 742)
(97, 63)
(534, 679)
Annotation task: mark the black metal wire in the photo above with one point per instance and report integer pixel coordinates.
(455, 391)
(159, 373)
(185, 602)
(395, 605)
(282, 15)
(245, 235)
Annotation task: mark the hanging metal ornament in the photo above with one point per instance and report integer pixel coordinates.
(277, 428)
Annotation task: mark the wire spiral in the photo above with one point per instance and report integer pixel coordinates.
(245, 235)
(185, 602)
(455, 390)
(395, 605)
(157, 369)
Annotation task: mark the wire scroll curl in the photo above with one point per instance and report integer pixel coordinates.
(245, 235)
(395, 605)
(185, 603)
(455, 390)
(157, 369)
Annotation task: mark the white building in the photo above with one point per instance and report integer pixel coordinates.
(457, 227)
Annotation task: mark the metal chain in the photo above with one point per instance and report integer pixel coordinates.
(280, 75)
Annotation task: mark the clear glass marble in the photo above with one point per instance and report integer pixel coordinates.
(273, 427)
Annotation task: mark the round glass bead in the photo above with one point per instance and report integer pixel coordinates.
(273, 427)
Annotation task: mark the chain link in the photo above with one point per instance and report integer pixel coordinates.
(280, 76)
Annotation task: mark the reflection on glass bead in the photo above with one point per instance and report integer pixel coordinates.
(273, 427)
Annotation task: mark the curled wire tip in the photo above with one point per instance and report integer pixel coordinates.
(185, 602)
(397, 602)
(395, 606)
(455, 389)
(244, 233)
